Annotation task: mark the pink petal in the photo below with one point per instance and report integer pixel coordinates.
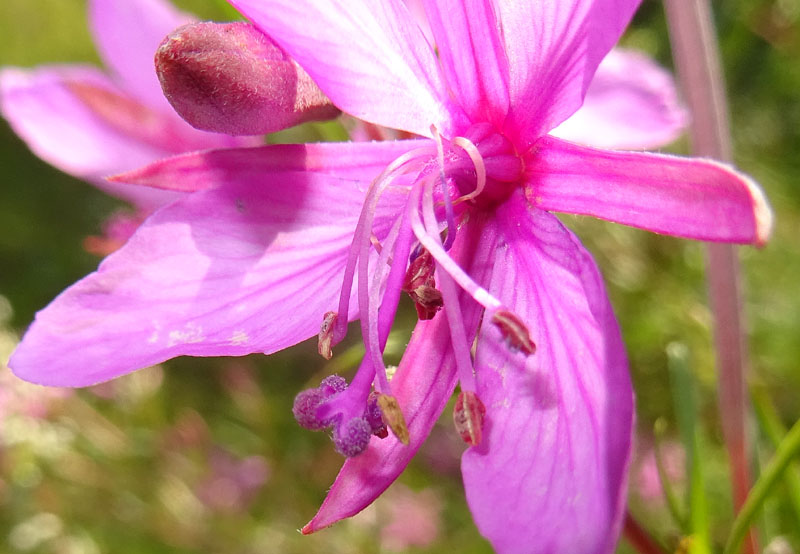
(423, 384)
(64, 131)
(370, 58)
(550, 474)
(684, 197)
(251, 266)
(127, 34)
(470, 47)
(362, 161)
(553, 50)
(77, 119)
(631, 103)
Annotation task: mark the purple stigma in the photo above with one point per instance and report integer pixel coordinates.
(353, 419)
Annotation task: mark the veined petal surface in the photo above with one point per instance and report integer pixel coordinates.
(632, 103)
(550, 474)
(685, 197)
(370, 58)
(470, 46)
(553, 49)
(250, 266)
(194, 171)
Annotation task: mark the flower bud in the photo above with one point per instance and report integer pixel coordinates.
(231, 78)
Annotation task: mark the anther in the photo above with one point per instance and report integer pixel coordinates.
(421, 286)
(393, 417)
(326, 335)
(468, 416)
(374, 416)
(514, 332)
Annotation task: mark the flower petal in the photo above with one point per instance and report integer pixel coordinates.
(423, 384)
(77, 119)
(632, 103)
(251, 266)
(127, 34)
(195, 171)
(684, 197)
(470, 47)
(64, 131)
(550, 474)
(553, 50)
(370, 58)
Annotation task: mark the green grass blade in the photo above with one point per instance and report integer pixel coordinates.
(685, 413)
(771, 425)
(787, 449)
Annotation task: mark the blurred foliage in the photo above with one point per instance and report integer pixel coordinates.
(203, 455)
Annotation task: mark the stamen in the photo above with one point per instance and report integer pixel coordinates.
(421, 286)
(443, 259)
(468, 417)
(326, 335)
(374, 416)
(514, 331)
(452, 308)
(363, 231)
(393, 417)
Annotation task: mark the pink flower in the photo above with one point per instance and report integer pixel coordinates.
(265, 249)
(92, 123)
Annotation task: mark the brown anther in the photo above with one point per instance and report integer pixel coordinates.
(421, 286)
(381, 433)
(326, 335)
(393, 417)
(514, 331)
(468, 415)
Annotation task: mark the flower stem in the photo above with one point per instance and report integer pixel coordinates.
(638, 538)
(697, 61)
(786, 451)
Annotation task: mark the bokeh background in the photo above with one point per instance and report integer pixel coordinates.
(203, 455)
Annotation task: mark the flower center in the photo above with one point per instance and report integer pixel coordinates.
(449, 178)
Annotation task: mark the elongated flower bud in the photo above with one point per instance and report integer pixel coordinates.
(231, 78)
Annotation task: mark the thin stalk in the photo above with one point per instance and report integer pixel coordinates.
(786, 451)
(682, 385)
(639, 539)
(697, 61)
(772, 427)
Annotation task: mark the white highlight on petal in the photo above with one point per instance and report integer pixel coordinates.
(762, 213)
(191, 333)
(239, 338)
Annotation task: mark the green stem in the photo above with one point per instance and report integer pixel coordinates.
(699, 69)
(786, 451)
(639, 539)
(772, 427)
(682, 386)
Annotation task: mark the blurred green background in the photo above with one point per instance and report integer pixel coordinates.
(203, 455)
